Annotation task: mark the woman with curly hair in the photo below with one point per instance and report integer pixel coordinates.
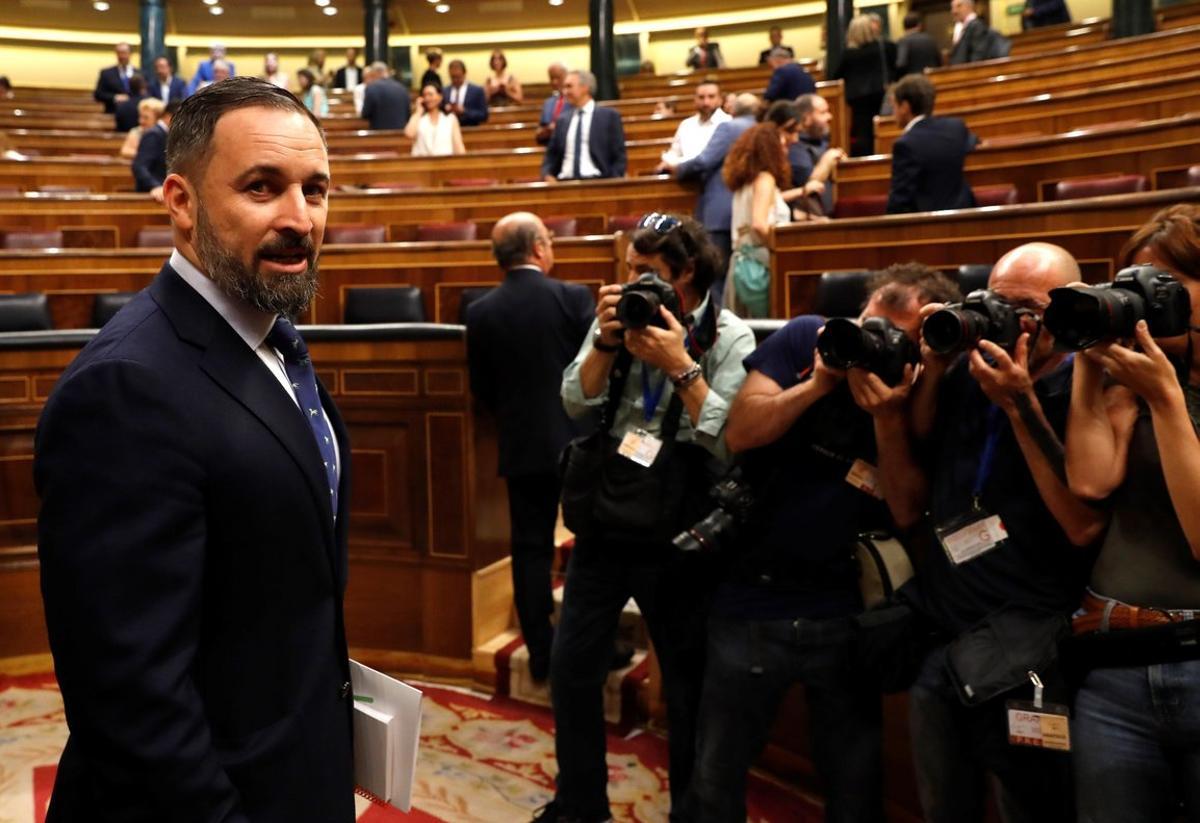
(757, 172)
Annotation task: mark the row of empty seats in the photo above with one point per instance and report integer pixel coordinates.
(844, 293)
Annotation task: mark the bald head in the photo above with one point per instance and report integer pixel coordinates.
(1028, 273)
(744, 104)
(521, 239)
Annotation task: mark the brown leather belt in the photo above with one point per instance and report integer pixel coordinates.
(1102, 614)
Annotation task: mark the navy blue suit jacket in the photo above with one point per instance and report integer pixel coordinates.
(108, 85)
(193, 578)
(126, 114)
(520, 337)
(150, 162)
(606, 140)
(927, 167)
(474, 103)
(385, 104)
(714, 209)
(178, 89)
(788, 82)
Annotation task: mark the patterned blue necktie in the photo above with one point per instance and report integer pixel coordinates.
(296, 362)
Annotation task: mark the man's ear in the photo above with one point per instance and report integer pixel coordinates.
(180, 199)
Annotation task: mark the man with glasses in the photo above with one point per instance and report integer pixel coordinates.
(662, 393)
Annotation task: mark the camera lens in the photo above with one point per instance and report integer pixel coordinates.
(953, 329)
(636, 309)
(1079, 318)
(844, 344)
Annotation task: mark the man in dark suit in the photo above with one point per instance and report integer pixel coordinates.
(193, 476)
(112, 86)
(164, 84)
(588, 142)
(150, 162)
(126, 115)
(970, 33)
(555, 105)
(776, 35)
(927, 160)
(464, 100)
(520, 337)
(789, 80)
(703, 54)
(385, 101)
(916, 50)
(349, 75)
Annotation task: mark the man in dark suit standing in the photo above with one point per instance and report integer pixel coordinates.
(112, 86)
(589, 141)
(927, 160)
(150, 162)
(788, 80)
(970, 33)
(776, 36)
(916, 50)
(520, 337)
(164, 84)
(464, 100)
(193, 476)
(555, 105)
(385, 101)
(349, 75)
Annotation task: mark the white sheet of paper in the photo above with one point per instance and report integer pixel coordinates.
(372, 731)
(400, 700)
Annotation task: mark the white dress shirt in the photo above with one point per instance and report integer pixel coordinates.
(251, 324)
(164, 89)
(351, 77)
(908, 126)
(958, 27)
(455, 95)
(693, 135)
(587, 168)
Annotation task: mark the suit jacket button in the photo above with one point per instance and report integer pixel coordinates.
(344, 691)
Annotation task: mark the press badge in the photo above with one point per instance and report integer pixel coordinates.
(640, 446)
(1038, 724)
(970, 535)
(864, 477)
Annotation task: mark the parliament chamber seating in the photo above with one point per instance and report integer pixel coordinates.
(1099, 185)
(33, 239)
(623, 222)
(466, 298)
(384, 304)
(155, 237)
(107, 305)
(562, 226)
(870, 205)
(972, 277)
(1002, 195)
(468, 182)
(447, 231)
(356, 233)
(841, 293)
(24, 312)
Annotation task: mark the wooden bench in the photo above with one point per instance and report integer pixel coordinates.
(1095, 33)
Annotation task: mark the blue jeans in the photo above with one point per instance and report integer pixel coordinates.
(956, 747)
(1136, 741)
(749, 668)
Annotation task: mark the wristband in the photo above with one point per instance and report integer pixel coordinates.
(599, 345)
(687, 377)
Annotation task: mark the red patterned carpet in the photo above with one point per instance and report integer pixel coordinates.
(482, 761)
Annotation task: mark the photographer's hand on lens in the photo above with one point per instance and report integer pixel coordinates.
(823, 376)
(876, 397)
(606, 313)
(661, 348)
(1008, 378)
(1147, 373)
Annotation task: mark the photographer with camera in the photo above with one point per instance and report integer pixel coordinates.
(1000, 570)
(783, 613)
(1132, 440)
(661, 366)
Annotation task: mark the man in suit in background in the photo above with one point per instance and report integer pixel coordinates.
(927, 160)
(788, 80)
(916, 50)
(193, 477)
(112, 86)
(970, 33)
(520, 337)
(590, 141)
(150, 162)
(555, 106)
(464, 100)
(164, 84)
(385, 102)
(349, 75)
(704, 55)
(205, 72)
(126, 115)
(776, 35)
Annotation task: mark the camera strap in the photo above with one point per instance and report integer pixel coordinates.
(651, 399)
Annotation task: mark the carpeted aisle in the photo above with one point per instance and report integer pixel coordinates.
(482, 761)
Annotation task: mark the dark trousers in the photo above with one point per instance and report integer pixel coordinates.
(862, 123)
(672, 593)
(955, 748)
(533, 512)
(750, 666)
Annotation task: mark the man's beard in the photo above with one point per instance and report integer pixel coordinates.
(288, 295)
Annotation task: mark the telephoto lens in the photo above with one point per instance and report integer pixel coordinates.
(1080, 318)
(641, 299)
(983, 315)
(876, 345)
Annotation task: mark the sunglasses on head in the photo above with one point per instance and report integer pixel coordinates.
(661, 223)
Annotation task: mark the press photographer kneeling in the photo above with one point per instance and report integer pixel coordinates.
(783, 614)
(661, 366)
(1132, 440)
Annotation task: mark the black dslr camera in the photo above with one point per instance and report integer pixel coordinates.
(640, 300)
(1081, 318)
(876, 345)
(735, 503)
(983, 315)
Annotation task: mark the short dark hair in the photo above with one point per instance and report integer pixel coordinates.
(912, 20)
(457, 64)
(781, 113)
(190, 138)
(137, 85)
(917, 91)
(515, 246)
(710, 81)
(5, 82)
(687, 243)
(898, 280)
(172, 108)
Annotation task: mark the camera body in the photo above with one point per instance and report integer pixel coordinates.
(735, 503)
(1081, 318)
(877, 346)
(983, 315)
(641, 299)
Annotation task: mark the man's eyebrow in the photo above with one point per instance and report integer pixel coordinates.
(267, 170)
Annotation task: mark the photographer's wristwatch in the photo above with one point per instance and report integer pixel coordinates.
(599, 345)
(687, 377)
